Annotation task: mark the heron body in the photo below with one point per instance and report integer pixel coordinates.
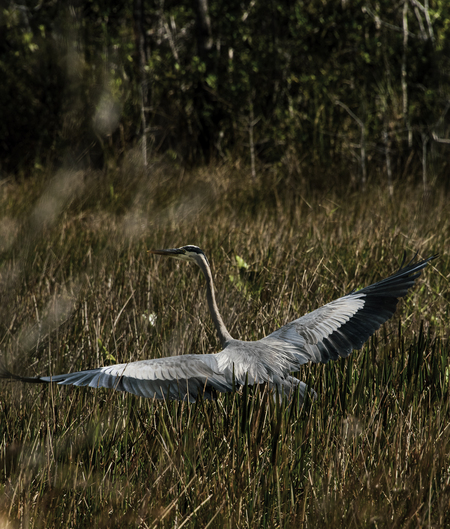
(328, 333)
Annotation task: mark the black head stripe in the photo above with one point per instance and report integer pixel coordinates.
(193, 249)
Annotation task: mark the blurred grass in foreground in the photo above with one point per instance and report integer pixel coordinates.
(78, 290)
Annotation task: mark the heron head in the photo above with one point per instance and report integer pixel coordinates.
(185, 253)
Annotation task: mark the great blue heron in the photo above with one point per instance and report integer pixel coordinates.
(327, 333)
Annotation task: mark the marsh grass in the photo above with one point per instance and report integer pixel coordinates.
(79, 290)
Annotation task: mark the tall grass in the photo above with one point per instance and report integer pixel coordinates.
(79, 290)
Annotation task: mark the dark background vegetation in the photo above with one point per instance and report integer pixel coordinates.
(348, 89)
(304, 147)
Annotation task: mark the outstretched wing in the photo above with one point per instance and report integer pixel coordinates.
(175, 377)
(334, 330)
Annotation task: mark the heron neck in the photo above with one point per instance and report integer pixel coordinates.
(224, 335)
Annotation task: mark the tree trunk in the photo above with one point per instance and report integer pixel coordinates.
(204, 105)
(142, 59)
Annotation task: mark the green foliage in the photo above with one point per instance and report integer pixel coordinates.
(57, 65)
(271, 79)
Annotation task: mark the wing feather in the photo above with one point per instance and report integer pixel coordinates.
(334, 330)
(174, 377)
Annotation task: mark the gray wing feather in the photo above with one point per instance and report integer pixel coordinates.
(334, 330)
(175, 377)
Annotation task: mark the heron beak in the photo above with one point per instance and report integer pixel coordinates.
(171, 252)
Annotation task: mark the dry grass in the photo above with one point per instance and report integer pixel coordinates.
(79, 290)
